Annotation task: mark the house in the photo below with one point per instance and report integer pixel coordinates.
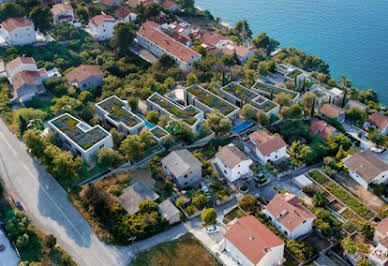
(269, 148)
(379, 255)
(50, 2)
(85, 77)
(18, 31)
(332, 111)
(111, 3)
(25, 78)
(232, 162)
(365, 168)
(62, 12)
(250, 243)
(324, 95)
(338, 95)
(322, 128)
(183, 167)
(289, 216)
(101, 27)
(242, 52)
(79, 137)
(170, 5)
(135, 3)
(356, 104)
(169, 211)
(150, 37)
(302, 181)
(378, 121)
(124, 14)
(115, 112)
(136, 194)
(214, 39)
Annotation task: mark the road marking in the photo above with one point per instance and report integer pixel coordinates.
(47, 194)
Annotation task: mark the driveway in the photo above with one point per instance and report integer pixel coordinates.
(48, 207)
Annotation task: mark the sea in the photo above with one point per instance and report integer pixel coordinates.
(351, 35)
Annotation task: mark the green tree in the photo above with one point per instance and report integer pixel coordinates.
(300, 249)
(148, 206)
(218, 123)
(34, 142)
(200, 201)
(124, 34)
(242, 29)
(147, 138)
(132, 148)
(187, 4)
(107, 157)
(366, 229)
(117, 137)
(10, 10)
(263, 41)
(355, 115)
(85, 96)
(262, 118)
(23, 116)
(248, 112)
(191, 79)
(248, 203)
(209, 216)
(319, 200)
(283, 99)
(66, 168)
(153, 117)
(308, 100)
(133, 103)
(349, 245)
(42, 18)
(50, 241)
(364, 262)
(65, 104)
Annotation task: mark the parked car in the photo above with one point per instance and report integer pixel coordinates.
(212, 229)
(204, 187)
(16, 201)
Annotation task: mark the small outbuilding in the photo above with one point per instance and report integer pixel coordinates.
(302, 181)
(134, 195)
(169, 211)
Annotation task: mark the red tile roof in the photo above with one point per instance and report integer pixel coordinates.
(59, 8)
(108, 2)
(241, 51)
(231, 156)
(83, 72)
(25, 77)
(168, 3)
(379, 120)
(267, 143)
(330, 110)
(287, 209)
(100, 19)
(251, 238)
(12, 23)
(12, 65)
(149, 30)
(212, 38)
(382, 227)
(135, 3)
(321, 128)
(122, 12)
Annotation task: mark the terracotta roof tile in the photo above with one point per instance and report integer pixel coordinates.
(12, 23)
(267, 143)
(19, 61)
(231, 156)
(168, 4)
(135, 3)
(83, 72)
(321, 128)
(61, 7)
(241, 51)
(26, 77)
(251, 238)
(149, 30)
(212, 38)
(287, 209)
(379, 120)
(100, 19)
(330, 110)
(366, 164)
(382, 227)
(122, 12)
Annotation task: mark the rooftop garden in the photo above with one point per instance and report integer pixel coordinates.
(84, 139)
(294, 73)
(187, 114)
(211, 100)
(240, 92)
(159, 132)
(116, 112)
(263, 104)
(273, 90)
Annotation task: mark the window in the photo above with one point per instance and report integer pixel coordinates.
(185, 176)
(225, 171)
(285, 232)
(304, 221)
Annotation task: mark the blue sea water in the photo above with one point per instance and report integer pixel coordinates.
(351, 35)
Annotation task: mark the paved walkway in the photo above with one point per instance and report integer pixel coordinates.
(47, 205)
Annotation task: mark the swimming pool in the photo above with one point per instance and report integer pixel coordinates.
(242, 126)
(148, 124)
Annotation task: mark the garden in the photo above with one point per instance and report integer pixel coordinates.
(272, 90)
(192, 202)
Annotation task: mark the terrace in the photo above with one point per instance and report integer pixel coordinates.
(117, 112)
(210, 101)
(159, 133)
(240, 95)
(79, 132)
(190, 114)
(268, 90)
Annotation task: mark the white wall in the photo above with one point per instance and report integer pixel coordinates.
(274, 156)
(102, 32)
(236, 254)
(235, 173)
(64, 13)
(21, 36)
(20, 68)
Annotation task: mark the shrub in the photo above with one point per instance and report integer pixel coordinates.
(248, 203)
(317, 176)
(209, 216)
(300, 249)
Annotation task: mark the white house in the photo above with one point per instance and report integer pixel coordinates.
(242, 52)
(332, 111)
(18, 31)
(101, 27)
(150, 37)
(81, 138)
(85, 77)
(124, 14)
(214, 39)
(378, 121)
(269, 148)
(232, 162)
(289, 216)
(62, 12)
(379, 255)
(170, 5)
(365, 168)
(251, 243)
(20, 64)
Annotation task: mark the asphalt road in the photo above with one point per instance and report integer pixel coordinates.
(48, 207)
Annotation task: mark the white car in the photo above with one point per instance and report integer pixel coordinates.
(204, 187)
(212, 229)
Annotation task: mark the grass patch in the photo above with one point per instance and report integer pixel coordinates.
(185, 251)
(235, 213)
(318, 177)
